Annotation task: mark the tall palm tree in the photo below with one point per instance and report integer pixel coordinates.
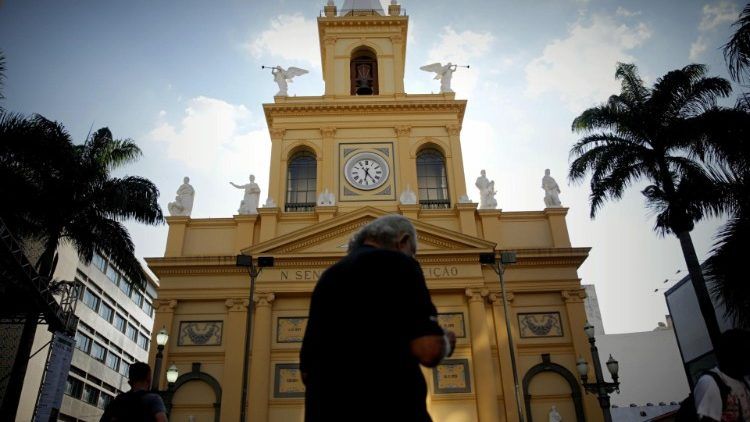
(56, 191)
(659, 134)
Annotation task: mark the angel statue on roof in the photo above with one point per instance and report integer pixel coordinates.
(443, 73)
(281, 76)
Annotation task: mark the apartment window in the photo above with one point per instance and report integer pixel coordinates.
(125, 286)
(98, 352)
(148, 308)
(137, 298)
(74, 387)
(131, 332)
(106, 312)
(112, 274)
(143, 342)
(113, 361)
(90, 299)
(99, 262)
(104, 400)
(119, 323)
(124, 368)
(90, 395)
(83, 342)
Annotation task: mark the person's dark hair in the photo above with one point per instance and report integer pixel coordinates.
(733, 348)
(139, 371)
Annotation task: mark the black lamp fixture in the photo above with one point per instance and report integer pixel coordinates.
(601, 388)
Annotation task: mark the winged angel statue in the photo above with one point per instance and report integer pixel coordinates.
(281, 77)
(444, 73)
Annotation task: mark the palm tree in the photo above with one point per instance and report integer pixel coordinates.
(662, 135)
(62, 192)
(737, 49)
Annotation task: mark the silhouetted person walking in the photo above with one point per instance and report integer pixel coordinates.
(371, 324)
(138, 404)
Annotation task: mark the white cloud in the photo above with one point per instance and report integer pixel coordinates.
(621, 11)
(714, 15)
(214, 136)
(581, 67)
(720, 13)
(697, 48)
(460, 48)
(290, 37)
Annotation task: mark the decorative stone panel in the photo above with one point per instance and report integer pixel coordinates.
(452, 376)
(200, 333)
(546, 324)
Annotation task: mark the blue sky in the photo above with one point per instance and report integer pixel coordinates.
(183, 79)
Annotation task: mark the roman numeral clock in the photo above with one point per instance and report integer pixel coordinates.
(367, 172)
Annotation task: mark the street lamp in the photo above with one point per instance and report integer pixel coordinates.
(162, 337)
(601, 388)
(499, 267)
(253, 270)
(172, 374)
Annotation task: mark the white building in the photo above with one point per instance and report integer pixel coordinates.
(115, 329)
(651, 370)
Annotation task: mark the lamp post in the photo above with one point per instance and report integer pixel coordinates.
(253, 270)
(172, 374)
(499, 267)
(601, 388)
(162, 337)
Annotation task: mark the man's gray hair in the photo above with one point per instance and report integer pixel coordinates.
(386, 231)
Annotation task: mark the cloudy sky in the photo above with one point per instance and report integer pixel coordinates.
(183, 79)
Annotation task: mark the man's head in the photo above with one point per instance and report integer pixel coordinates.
(185, 179)
(733, 353)
(252, 178)
(394, 232)
(139, 375)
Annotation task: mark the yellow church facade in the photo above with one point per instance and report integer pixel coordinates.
(412, 145)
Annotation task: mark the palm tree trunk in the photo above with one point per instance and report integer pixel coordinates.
(699, 284)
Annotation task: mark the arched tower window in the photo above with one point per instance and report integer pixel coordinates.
(432, 179)
(363, 71)
(301, 179)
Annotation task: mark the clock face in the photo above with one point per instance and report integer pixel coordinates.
(366, 171)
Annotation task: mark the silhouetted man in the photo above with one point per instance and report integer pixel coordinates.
(138, 404)
(371, 324)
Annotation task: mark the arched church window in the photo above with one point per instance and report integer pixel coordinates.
(301, 180)
(363, 72)
(432, 179)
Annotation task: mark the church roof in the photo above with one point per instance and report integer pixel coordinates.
(362, 6)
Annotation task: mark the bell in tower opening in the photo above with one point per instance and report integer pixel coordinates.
(364, 72)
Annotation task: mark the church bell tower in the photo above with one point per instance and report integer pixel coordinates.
(365, 140)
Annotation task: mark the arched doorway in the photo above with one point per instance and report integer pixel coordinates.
(561, 387)
(186, 391)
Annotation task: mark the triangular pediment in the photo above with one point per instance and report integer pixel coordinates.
(332, 237)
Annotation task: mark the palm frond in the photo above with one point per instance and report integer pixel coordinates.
(737, 49)
(726, 273)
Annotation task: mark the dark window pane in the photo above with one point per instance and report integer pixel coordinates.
(301, 182)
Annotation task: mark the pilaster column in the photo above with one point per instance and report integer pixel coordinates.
(407, 163)
(325, 168)
(577, 317)
(454, 165)
(398, 51)
(328, 65)
(467, 218)
(503, 355)
(231, 379)
(163, 317)
(278, 167)
(484, 372)
(269, 217)
(245, 231)
(557, 226)
(176, 235)
(260, 359)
